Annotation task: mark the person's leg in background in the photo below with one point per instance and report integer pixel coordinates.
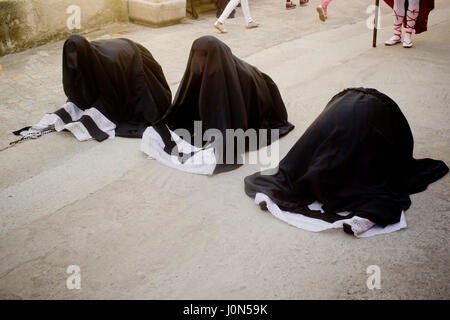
(411, 16)
(226, 12)
(290, 5)
(303, 2)
(399, 15)
(221, 5)
(322, 10)
(248, 18)
(229, 8)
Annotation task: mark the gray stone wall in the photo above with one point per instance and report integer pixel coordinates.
(157, 12)
(28, 23)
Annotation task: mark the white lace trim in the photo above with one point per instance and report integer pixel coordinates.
(361, 227)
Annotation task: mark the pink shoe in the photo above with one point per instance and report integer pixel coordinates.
(303, 2)
(290, 5)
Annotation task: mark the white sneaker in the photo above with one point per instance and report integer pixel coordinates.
(252, 24)
(411, 17)
(397, 37)
(393, 40)
(219, 26)
(407, 42)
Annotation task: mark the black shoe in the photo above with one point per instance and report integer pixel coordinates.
(263, 206)
(348, 229)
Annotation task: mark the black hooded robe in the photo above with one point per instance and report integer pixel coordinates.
(114, 88)
(223, 92)
(356, 157)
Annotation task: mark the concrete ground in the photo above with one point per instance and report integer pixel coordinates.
(138, 229)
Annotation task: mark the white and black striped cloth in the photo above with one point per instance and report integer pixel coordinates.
(83, 124)
(164, 145)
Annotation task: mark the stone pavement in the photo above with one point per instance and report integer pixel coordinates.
(141, 230)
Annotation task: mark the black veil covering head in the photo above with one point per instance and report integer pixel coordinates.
(357, 156)
(225, 92)
(118, 77)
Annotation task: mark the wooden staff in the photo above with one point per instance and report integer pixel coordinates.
(375, 27)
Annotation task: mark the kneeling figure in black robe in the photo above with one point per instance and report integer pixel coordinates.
(224, 93)
(352, 168)
(114, 87)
